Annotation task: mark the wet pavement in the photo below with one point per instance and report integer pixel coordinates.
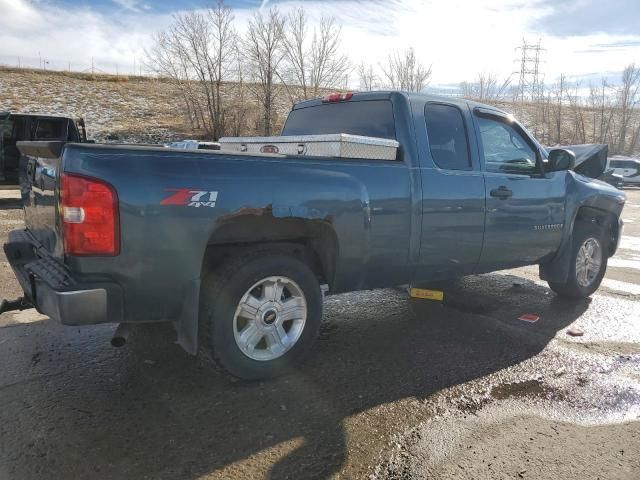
(395, 388)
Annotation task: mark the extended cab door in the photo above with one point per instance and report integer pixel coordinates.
(525, 206)
(453, 198)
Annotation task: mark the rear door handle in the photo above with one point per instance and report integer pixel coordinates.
(501, 192)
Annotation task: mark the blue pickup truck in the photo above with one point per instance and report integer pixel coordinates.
(236, 249)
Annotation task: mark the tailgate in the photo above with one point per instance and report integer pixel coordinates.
(39, 167)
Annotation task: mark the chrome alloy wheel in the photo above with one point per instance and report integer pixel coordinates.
(588, 262)
(270, 318)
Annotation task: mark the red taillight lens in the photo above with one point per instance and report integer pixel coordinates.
(337, 97)
(89, 210)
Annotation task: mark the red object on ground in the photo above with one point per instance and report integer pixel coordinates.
(529, 317)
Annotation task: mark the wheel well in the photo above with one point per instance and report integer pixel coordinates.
(605, 220)
(311, 241)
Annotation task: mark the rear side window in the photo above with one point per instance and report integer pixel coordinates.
(51, 129)
(7, 128)
(372, 118)
(447, 137)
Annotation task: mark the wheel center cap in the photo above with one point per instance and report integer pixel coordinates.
(269, 317)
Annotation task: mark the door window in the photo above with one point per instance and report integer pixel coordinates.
(447, 137)
(505, 149)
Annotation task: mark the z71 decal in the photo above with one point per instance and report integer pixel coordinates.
(190, 198)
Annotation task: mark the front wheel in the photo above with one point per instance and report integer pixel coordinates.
(588, 263)
(261, 314)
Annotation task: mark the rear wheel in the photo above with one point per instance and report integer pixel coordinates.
(261, 314)
(588, 263)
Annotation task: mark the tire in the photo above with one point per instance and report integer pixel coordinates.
(246, 328)
(578, 285)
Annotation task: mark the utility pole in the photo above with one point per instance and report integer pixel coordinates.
(530, 81)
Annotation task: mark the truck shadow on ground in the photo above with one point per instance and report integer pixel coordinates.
(141, 412)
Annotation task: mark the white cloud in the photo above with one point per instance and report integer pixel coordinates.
(131, 5)
(458, 37)
(30, 31)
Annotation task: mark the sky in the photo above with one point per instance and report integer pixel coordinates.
(585, 39)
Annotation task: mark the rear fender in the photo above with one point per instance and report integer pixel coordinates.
(310, 238)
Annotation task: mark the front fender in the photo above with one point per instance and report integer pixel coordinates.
(587, 197)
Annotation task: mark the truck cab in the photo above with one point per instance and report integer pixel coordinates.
(18, 127)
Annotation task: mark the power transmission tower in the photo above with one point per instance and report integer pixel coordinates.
(531, 81)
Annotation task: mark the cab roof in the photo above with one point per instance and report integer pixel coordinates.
(412, 97)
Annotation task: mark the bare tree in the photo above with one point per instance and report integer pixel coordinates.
(627, 103)
(224, 40)
(577, 114)
(403, 71)
(263, 50)
(239, 109)
(486, 87)
(602, 110)
(165, 58)
(197, 52)
(313, 56)
(557, 94)
(367, 76)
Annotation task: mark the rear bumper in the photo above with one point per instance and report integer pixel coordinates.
(55, 291)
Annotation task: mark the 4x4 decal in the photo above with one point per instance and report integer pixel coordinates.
(190, 198)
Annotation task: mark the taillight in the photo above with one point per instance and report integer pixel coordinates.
(89, 210)
(337, 97)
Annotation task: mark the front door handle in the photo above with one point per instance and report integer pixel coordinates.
(501, 192)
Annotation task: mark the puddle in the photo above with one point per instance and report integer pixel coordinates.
(528, 388)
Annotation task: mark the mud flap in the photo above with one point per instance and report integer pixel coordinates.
(187, 325)
(557, 270)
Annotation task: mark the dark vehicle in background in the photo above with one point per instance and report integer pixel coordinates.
(628, 168)
(235, 249)
(17, 127)
(612, 178)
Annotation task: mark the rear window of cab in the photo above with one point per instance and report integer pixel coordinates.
(370, 118)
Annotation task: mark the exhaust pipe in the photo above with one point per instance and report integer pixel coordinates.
(121, 335)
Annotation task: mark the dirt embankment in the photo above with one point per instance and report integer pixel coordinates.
(122, 109)
(125, 109)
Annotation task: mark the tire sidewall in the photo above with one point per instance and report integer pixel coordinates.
(226, 300)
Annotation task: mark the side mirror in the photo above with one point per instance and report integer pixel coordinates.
(561, 159)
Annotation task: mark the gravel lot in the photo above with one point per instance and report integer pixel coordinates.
(396, 388)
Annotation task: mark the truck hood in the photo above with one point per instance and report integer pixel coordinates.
(591, 158)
